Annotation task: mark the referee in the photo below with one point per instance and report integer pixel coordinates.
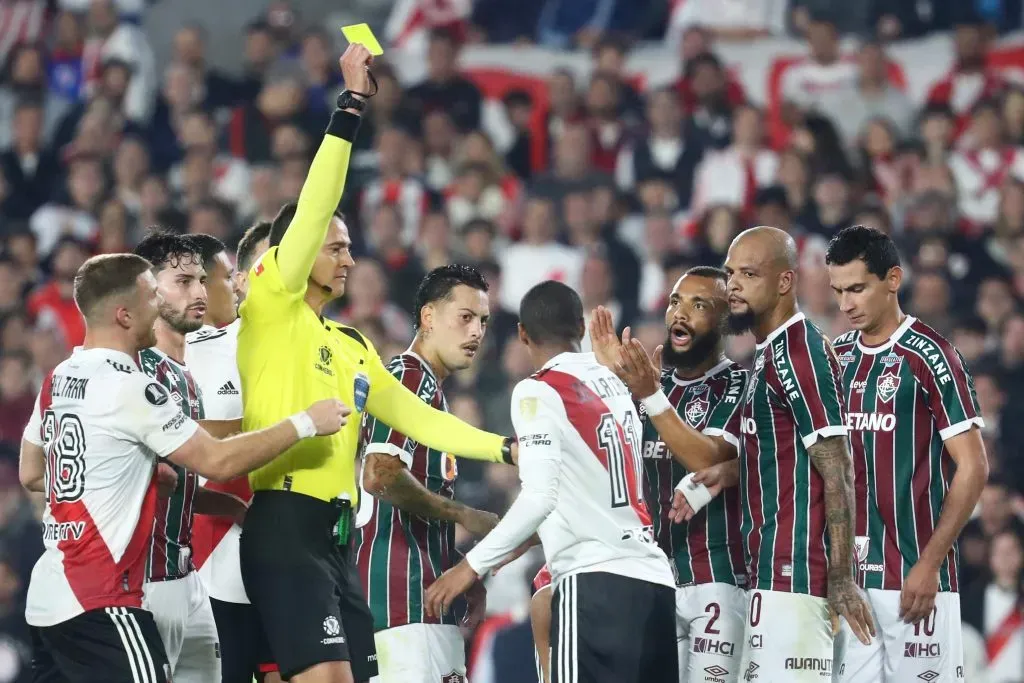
(295, 551)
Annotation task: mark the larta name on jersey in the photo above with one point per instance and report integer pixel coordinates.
(905, 398)
(708, 548)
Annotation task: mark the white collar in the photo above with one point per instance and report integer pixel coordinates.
(570, 357)
(423, 362)
(722, 364)
(890, 342)
(797, 317)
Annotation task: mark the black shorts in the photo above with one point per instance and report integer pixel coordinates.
(607, 628)
(305, 586)
(244, 651)
(113, 645)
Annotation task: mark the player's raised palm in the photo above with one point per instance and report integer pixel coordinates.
(603, 339)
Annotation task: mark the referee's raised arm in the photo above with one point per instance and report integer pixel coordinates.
(321, 193)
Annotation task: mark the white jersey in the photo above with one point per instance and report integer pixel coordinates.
(579, 460)
(210, 355)
(102, 424)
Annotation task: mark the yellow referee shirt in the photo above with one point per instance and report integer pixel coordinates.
(289, 358)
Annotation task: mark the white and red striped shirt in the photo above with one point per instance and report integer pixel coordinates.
(21, 22)
(979, 176)
(961, 91)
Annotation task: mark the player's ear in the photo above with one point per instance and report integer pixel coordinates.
(894, 278)
(522, 335)
(427, 317)
(786, 281)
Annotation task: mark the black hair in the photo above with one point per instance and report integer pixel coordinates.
(710, 272)
(773, 195)
(552, 313)
(279, 226)
(166, 249)
(479, 224)
(247, 245)
(872, 246)
(439, 283)
(515, 98)
(209, 246)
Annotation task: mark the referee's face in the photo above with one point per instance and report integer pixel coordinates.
(330, 270)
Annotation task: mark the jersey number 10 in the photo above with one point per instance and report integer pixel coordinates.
(614, 443)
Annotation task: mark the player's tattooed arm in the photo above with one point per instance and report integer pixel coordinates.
(386, 477)
(831, 459)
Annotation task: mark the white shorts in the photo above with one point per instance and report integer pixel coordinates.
(710, 620)
(420, 653)
(930, 651)
(181, 609)
(788, 639)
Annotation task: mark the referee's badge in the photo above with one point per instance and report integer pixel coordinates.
(360, 391)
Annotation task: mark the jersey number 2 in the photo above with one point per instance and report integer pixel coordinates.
(64, 442)
(609, 438)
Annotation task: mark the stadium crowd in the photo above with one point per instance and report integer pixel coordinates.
(98, 142)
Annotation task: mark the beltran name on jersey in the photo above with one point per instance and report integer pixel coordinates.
(102, 425)
(210, 356)
(709, 547)
(400, 555)
(905, 397)
(579, 461)
(171, 554)
(793, 399)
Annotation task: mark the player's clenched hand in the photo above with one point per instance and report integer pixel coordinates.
(637, 371)
(845, 600)
(602, 338)
(329, 415)
(453, 583)
(478, 522)
(166, 480)
(917, 599)
(354, 64)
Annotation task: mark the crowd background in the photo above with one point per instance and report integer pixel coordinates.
(120, 115)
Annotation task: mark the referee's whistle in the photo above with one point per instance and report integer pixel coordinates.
(361, 391)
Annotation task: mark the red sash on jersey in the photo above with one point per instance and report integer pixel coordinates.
(991, 180)
(996, 641)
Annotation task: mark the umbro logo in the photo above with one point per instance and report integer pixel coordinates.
(228, 389)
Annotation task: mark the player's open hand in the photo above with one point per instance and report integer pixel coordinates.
(681, 510)
(453, 583)
(329, 415)
(846, 600)
(354, 68)
(917, 599)
(603, 339)
(636, 369)
(166, 480)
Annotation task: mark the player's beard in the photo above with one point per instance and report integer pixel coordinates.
(700, 350)
(179, 322)
(738, 323)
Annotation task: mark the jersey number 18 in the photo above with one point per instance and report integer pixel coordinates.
(64, 442)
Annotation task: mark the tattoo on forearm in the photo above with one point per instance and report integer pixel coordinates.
(832, 460)
(398, 487)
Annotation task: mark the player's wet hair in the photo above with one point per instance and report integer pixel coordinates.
(439, 283)
(104, 276)
(209, 246)
(166, 249)
(247, 245)
(552, 313)
(709, 272)
(279, 226)
(872, 246)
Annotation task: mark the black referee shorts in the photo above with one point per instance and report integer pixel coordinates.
(113, 645)
(607, 628)
(305, 586)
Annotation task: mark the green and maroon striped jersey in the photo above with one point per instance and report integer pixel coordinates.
(399, 554)
(708, 548)
(905, 398)
(170, 556)
(794, 398)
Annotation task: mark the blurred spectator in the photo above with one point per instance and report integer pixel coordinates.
(571, 169)
(384, 241)
(216, 90)
(75, 213)
(15, 640)
(230, 182)
(131, 167)
(22, 22)
(444, 88)
(537, 256)
(52, 307)
(608, 131)
(213, 217)
(180, 94)
(12, 287)
(26, 82)
(564, 23)
(793, 179)
(609, 59)
(395, 185)
(821, 80)
(970, 81)
(64, 70)
(439, 138)
(281, 102)
(112, 40)
(585, 232)
(969, 338)
(981, 169)
(21, 538)
(663, 153)
(874, 97)
(731, 20)
(366, 302)
(501, 182)
(711, 116)
(17, 395)
(697, 41)
(831, 204)
(29, 168)
(994, 608)
(719, 225)
(323, 82)
(519, 107)
(265, 194)
(478, 237)
(260, 52)
(733, 176)
(930, 299)
(500, 21)
(434, 243)
(564, 107)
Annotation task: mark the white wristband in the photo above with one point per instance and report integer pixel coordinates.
(304, 424)
(656, 404)
(697, 495)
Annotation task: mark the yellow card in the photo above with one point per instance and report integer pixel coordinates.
(361, 33)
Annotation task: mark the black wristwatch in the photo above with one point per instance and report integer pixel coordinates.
(506, 450)
(348, 100)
